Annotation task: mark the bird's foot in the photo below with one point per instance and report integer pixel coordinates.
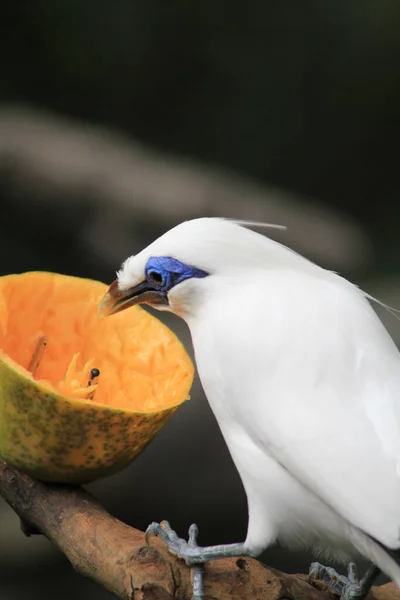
(189, 551)
(182, 549)
(348, 588)
(194, 555)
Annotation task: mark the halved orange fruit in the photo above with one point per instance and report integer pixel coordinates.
(54, 424)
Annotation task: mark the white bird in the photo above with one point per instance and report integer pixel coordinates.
(304, 382)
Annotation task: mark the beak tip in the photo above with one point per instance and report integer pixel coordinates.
(105, 307)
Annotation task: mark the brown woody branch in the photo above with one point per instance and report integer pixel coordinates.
(117, 557)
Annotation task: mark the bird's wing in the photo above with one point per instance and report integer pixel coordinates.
(344, 460)
(323, 398)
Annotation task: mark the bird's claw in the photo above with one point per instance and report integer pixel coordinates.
(326, 574)
(192, 554)
(348, 588)
(187, 551)
(182, 549)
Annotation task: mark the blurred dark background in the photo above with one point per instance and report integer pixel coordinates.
(120, 119)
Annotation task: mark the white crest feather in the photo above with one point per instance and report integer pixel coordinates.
(260, 224)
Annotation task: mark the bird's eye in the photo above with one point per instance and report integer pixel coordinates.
(155, 277)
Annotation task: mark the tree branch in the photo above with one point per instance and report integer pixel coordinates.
(117, 557)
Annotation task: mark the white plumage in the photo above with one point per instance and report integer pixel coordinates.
(304, 382)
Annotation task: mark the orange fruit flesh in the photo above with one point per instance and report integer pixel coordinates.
(143, 366)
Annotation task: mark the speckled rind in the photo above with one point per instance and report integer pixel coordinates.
(58, 439)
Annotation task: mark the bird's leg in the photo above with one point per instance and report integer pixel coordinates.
(193, 554)
(348, 588)
(190, 552)
(197, 572)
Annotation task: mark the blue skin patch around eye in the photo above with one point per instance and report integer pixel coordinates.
(163, 272)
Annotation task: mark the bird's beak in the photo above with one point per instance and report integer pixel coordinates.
(116, 300)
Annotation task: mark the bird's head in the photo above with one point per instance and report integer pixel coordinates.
(178, 269)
